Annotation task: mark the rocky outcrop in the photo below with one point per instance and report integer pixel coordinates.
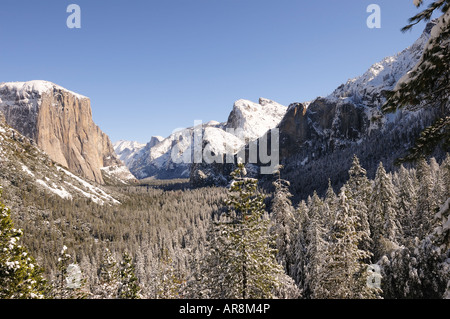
(324, 123)
(60, 122)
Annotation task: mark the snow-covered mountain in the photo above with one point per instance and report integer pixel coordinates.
(60, 122)
(24, 166)
(172, 156)
(127, 149)
(319, 138)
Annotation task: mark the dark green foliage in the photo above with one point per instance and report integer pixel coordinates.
(128, 282)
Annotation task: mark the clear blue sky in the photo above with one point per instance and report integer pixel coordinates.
(152, 66)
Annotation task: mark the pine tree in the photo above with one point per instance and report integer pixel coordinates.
(358, 189)
(69, 282)
(241, 263)
(20, 275)
(344, 273)
(300, 245)
(108, 276)
(315, 252)
(128, 282)
(283, 221)
(428, 85)
(407, 203)
(330, 201)
(426, 204)
(383, 216)
(441, 240)
(170, 283)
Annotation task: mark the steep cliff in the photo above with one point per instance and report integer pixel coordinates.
(60, 122)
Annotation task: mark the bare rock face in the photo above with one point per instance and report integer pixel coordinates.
(323, 122)
(60, 122)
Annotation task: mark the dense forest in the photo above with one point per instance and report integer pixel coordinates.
(171, 241)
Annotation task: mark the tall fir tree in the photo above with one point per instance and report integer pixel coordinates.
(426, 203)
(169, 281)
(358, 189)
(108, 274)
(407, 203)
(316, 249)
(385, 228)
(344, 272)
(283, 223)
(242, 247)
(69, 282)
(128, 282)
(300, 245)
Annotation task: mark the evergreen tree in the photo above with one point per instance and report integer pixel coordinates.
(170, 283)
(108, 276)
(383, 216)
(128, 282)
(241, 247)
(300, 245)
(20, 275)
(407, 203)
(315, 252)
(344, 273)
(330, 201)
(441, 240)
(426, 204)
(358, 189)
(283, 221)
(69, 282)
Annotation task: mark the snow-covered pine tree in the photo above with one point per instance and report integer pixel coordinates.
(316, 249)
(344, 272)
(128, 282)
(241, 246)
(330, 201)
(407, 203)
(169, 283)
(426, 203)
(384, 226)
(69, 282)
(358, 189)
(20, 275)
(441, 239)
(300, 244)
(283, 223)
(108, 274)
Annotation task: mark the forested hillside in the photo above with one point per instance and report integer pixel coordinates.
(175, 241)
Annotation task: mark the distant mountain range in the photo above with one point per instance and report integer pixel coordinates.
(318, 136)
(172, 157)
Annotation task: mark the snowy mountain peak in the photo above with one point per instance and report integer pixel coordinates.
(127, 149)
(255, 119)
(26, 89)
(367, 89)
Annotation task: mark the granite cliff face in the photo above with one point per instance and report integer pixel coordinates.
(60, 122)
